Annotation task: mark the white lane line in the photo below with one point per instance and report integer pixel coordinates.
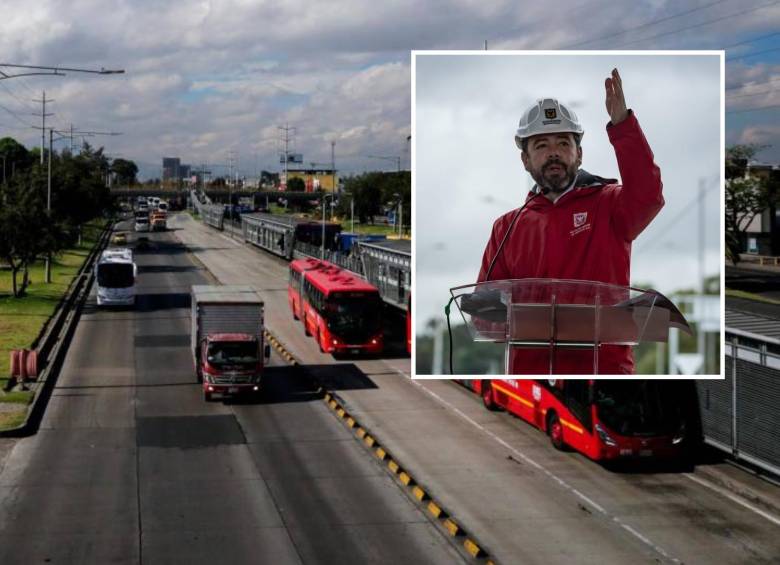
(644, 539)
(774, 519)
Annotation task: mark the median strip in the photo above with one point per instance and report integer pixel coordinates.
(440, 516)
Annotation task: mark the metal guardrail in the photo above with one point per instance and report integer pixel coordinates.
(741, 413)
(351, 262)
(52, 343)
(389, 270)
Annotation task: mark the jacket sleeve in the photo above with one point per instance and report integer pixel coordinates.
(500, 270)
(640, 197)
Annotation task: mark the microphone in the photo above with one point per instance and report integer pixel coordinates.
(509, 230)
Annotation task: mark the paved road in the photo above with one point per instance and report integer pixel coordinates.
(761, 280)
(525, 501)
(132, 466)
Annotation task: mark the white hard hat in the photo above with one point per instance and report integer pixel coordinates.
(547, 116)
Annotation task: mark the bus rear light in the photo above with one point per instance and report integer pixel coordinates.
(605, 437)
(335, 342)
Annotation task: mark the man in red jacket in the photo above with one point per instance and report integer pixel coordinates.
(575, 225)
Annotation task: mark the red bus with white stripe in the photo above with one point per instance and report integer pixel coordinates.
(603, 419)
(341, 310)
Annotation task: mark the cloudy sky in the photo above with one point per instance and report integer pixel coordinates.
(468, 169)
(204, 77)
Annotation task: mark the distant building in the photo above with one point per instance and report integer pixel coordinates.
(316, 179)
(171, 169)
(763, 233)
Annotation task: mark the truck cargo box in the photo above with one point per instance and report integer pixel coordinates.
(225, 309)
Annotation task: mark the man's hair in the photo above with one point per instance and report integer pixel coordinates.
(524, 142)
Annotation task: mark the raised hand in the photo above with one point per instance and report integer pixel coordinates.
(616, 102)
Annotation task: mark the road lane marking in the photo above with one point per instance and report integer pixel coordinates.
(646, 541)
(774, 519)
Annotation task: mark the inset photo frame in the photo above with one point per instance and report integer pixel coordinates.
(568, 211)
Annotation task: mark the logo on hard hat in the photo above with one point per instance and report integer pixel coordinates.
(550, 113)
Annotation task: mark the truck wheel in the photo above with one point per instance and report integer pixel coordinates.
(306, 328)
(555, 430)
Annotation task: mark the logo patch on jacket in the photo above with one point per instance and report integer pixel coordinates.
(580, 219)
(550, 113)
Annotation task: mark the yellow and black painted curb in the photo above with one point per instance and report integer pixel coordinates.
(429, 503)
(418, 491)
(280, 348)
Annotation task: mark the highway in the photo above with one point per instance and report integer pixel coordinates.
(523, 500)
(131, 465)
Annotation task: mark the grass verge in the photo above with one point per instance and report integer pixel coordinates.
(21, 319)
(13, 419)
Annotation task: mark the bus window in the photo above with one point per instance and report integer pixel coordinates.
(636, 408)
(576, 393)
(353, 313)
(115, 275)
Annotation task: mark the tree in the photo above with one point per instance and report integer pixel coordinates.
(125, 171)
(746, 197)
(296, 184)
(372, 191)
(13, 158)
(27, 231)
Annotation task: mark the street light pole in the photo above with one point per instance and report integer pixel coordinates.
(52, 131)
(322, 251)
(47, 276)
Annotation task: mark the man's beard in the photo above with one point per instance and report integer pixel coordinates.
(555, 183)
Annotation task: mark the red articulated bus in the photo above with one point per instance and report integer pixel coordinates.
(605, 420)
(295, 283)
(342, 311)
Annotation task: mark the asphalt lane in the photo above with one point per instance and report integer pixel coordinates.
(527, 502)
(132, 466)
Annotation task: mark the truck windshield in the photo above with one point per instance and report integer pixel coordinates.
(354, 316)
(241, 354)
(115, 275)
(638, 408)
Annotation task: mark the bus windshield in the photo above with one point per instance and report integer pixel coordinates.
(240, 354)
(353, 316)
(115, 275)
(638, 408)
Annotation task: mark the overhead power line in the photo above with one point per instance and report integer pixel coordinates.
(753, 109)
(644, 25)
(16, 116)
(745, 42)
(664, 232)
(702, 24)
(747, 56)
(753, 84)
(733, 96)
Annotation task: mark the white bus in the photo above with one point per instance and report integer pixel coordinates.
(115, 273)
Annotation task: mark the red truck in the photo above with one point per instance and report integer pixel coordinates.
(227, 340)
